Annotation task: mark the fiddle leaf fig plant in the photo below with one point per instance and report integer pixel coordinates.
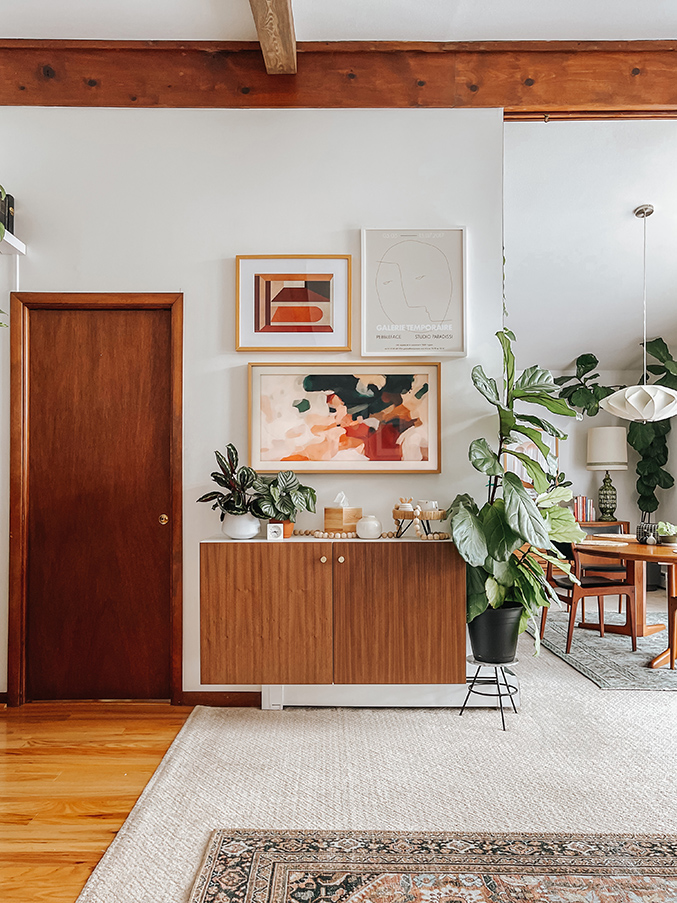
(236, 482)
(281, 496)
(505, 541)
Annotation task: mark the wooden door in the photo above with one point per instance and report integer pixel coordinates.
(265, 612)
(399, 613)
(96, 524)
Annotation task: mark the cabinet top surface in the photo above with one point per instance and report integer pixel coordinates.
(314, 539)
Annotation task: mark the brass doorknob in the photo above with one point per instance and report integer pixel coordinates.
(163, 519)
(323, 559)
(341, 559)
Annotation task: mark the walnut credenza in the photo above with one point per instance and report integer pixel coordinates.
(326, 622)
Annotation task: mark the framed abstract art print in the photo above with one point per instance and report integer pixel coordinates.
(351, 417)
(293, 302)
(413, 292)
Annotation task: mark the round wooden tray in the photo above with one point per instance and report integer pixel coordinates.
(434, 514)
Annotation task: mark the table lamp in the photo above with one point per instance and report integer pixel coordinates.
(607, 450)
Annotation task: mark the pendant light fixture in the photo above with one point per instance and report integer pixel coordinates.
(642, 402)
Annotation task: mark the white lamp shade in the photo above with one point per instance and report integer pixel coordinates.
(607, 448)
(642, 403)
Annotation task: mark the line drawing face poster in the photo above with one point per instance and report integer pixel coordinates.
(413, 292)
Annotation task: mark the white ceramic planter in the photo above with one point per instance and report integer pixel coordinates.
(240, 526)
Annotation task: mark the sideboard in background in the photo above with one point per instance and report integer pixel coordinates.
(322, 622)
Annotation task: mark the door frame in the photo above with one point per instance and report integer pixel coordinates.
(21, 305)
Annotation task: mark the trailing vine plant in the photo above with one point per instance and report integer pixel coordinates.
(648, 439)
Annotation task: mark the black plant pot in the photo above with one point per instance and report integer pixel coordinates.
(493, 634)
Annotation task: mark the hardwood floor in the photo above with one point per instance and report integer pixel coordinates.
(69, 775)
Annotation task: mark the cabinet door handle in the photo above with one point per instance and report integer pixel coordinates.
(341, 559)
(323, 559)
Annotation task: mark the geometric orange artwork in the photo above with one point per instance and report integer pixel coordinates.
(293, 302)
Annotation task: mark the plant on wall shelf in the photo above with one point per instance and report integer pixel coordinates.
(236, 483)
(648, 439)
(281, 497)
(505, 539)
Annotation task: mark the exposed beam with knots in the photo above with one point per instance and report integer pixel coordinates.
(274, 22)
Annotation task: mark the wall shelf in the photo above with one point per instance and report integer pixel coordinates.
(10, 244)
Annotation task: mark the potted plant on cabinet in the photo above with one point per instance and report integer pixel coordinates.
(280, 498)
(236, 500)
(505, 540)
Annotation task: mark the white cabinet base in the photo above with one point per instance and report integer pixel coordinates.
(277, 696)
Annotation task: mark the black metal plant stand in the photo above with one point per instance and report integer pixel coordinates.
(504, 690)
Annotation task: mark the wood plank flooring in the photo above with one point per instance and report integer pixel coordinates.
(69, 775)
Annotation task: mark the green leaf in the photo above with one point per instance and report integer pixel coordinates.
(261, 484)
(287, 480)
(246, 477)
(553, 404)
(298, 499)
(646, 465)
(209, 497)
(658, 349)
(476, 604)
(220, 479)
(563, 380)
(584, 364)
(533, 468)
(535, 436)
(463, 500)
(475, 578)
(468, 536)
(506, 421)
(522, 514)
(500, 538)
(486, 385)
(233, 457)
(665, 480)
(224, 463)
(641, 435)
(508, 359)
(2, 231)
(495, 592)
(554, 497)
(541, 424)
(267, 507)
(311, 498)
(581, 397)
(600, 392)
(658, 369)
(534, 381)
(483, 458)
(275, 493)
(562, 526)
(504, 571)
(647, 503)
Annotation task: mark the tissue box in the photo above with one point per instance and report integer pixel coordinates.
(342, 520)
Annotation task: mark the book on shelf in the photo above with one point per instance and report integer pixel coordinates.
(7, 212)
(584, 509)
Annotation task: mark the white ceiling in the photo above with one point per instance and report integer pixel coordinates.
(343, 20)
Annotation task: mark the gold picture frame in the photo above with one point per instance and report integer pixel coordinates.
(348, 417)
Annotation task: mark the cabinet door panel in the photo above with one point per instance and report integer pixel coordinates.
(265, 613)
(399, 613)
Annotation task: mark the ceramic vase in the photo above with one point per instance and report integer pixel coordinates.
(368, 527)
(240, 526)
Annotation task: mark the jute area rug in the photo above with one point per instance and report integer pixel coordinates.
(609, 661)
(389, 867)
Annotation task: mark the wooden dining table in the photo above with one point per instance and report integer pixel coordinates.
(624, 547)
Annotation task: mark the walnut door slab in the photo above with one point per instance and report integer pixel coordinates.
(98, 568)
(399, 613)
(265, 613)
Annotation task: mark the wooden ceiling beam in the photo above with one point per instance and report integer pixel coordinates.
(274, 22)
(528, 79)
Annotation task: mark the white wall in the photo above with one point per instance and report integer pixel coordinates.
(574, 262)
(163, 200)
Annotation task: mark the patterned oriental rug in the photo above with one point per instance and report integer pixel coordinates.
(609, 661)
(387, 867)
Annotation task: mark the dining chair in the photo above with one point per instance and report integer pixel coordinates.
(571, 593)
(602, 567)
